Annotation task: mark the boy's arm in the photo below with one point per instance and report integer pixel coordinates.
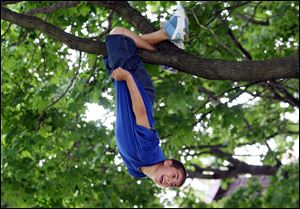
(138, 106)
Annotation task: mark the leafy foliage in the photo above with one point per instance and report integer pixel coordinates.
(52, 157)
(253, 196)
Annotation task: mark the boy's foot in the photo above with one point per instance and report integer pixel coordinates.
(179, 44)
(177, 30)
(177, 26)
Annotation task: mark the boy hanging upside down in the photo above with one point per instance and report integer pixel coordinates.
(137, 140)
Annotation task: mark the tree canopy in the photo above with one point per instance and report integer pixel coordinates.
(237, 86)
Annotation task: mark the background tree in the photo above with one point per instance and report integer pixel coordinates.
(52, 157)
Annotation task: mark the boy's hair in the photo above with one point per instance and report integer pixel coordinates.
(178, 165)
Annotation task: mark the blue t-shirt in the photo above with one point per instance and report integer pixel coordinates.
(137, 145)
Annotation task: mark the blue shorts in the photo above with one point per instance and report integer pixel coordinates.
(122, 53)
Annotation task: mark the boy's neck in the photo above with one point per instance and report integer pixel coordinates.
(149, 170)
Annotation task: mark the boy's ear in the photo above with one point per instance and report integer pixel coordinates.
(168, 163)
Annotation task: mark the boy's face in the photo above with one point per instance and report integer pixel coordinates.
(168, 176)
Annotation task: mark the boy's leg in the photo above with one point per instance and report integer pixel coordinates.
(119, 58)
(155, 37)
(175, 30)
(139, 41)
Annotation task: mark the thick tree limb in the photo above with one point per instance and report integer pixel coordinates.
(232, 172)
(9, 2)
(287, 67)
(235, 169)
(123, 9)
(53, 7)
(54, 32)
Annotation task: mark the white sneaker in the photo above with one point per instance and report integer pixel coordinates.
(177, 26)
(179, 44)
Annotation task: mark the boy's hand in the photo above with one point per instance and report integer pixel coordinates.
(120, 74)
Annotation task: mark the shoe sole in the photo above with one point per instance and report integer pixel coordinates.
(182, 14)
(178, 30)
(177, 26)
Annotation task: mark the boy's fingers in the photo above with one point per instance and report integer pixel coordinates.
(120, 68)
(113, 73)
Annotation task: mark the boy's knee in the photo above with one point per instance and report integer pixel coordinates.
(117, 30)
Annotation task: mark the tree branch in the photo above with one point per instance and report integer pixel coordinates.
(107, 30)
(234, 39)
(217, 98)
(74, 42)
(287, 67)
(230, 8)
(253, 21)
(9, 2)
(7, 29)
(232, 172)
(43, 112)
(216, 38)
(133, 16)
(288, 97)
(52, 8)
(275, 90)
(249, 18)
(93, 71)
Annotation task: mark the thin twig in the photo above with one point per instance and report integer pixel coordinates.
(278, 162)
(93, 71)
(107, 30)
(42, 115)
(226, 91)
(235, 40)
(6, 30)
(214, 35)
(230, 8)
(249, 19)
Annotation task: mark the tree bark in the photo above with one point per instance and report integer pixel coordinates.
(236, 168)
(232, 172)
(286, 67)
